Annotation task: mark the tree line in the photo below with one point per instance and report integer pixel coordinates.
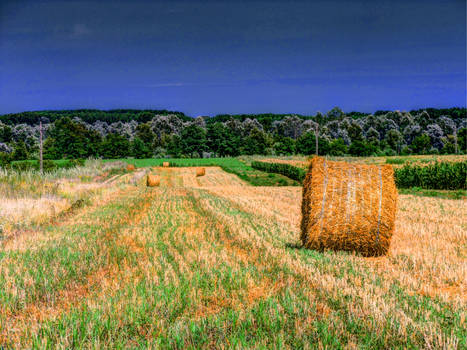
(147, 134)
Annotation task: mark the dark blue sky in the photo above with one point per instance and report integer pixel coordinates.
(210, 57)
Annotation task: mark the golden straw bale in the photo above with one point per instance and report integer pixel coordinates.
(200, 172)
(130, 167)
(165, 164)
(349, 207)
(153, 180)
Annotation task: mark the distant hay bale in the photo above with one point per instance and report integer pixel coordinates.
(200, 172)
(349, 207)
(165, 164)
(130, 167)
(153, 180)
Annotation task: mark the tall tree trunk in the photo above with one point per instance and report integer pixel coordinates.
(41, 167)
(316, 138)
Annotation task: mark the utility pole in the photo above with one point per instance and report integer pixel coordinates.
(40, 146)
(316, 137)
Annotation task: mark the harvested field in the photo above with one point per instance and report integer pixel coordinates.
(211, 262)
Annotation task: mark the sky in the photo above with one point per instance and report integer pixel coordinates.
(212, 57)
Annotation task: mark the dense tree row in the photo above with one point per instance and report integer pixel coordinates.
(147, 134)
(87, 115)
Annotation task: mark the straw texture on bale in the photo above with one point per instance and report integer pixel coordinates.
(350, 207)
(200, 172)
(165, 164)
(130, 167)
(153, 180)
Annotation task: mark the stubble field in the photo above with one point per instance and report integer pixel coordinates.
(213, 262)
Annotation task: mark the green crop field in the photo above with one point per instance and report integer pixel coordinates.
(215, 262)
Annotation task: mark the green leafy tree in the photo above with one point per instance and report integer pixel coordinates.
(421, 144)
(20, 151)
(284, 145)
(5, 159)
(50, 149)
(462, 140)
(337, 147)
(256, 143)
(115, 146)
(362, 148)
(394, 140)
(221, 141)
(6, 135)
(448, 145)
(174, 145)
(139, 149)
(355, 132)
(145, 134)
(69, 139)
(193, 140)
(306, 144)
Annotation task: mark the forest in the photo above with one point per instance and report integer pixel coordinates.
(74, 134)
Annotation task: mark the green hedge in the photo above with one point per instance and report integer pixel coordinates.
(437, 176)
(48, 165)
(280, 168)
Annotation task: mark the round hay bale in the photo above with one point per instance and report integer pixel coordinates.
(153, 180)
(130, 167)
(165, 164)
(350, 207)
(200, 172)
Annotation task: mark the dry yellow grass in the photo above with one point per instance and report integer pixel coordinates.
(39, 205)
(28, 211)
(302, 162)
(183, 177)
(428, 248)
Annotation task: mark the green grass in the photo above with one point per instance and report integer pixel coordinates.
(231, 165)
(417, 191)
